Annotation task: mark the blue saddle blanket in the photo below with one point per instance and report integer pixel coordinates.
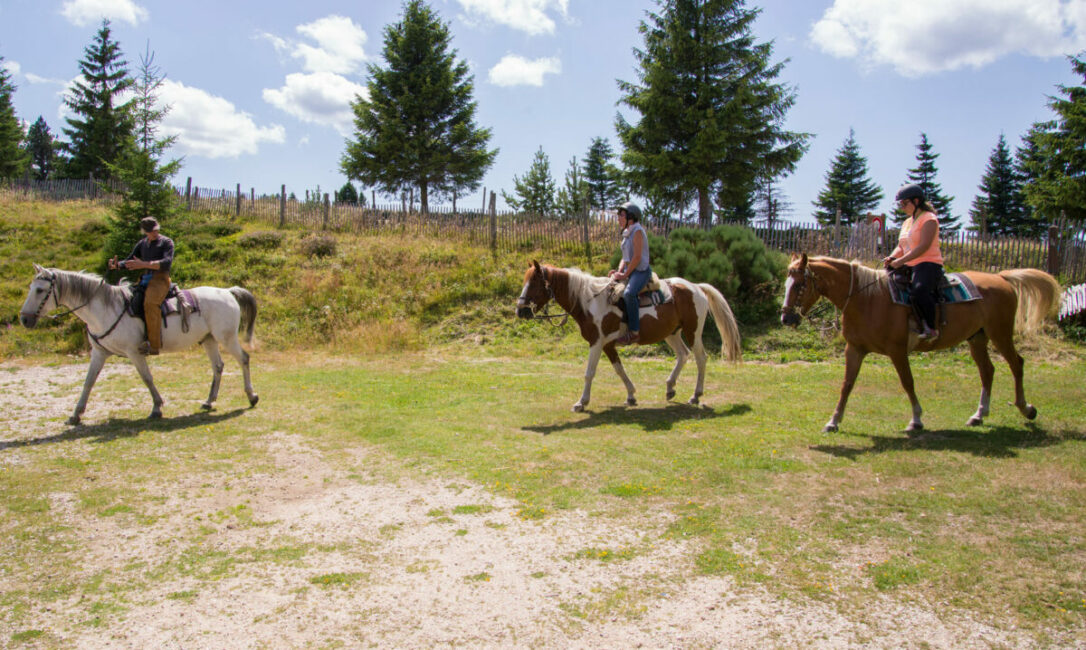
(954, 287)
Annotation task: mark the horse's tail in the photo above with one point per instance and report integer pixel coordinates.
(725, 322)
(1038, 297)
(247, 302)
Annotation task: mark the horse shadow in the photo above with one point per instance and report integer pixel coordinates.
(657, 418)
(984, 442)
(115, 428)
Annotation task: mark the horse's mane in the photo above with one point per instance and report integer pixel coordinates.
(584, 287)
(81, 286)
(867, 281)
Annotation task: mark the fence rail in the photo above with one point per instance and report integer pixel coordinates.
(1062, 251)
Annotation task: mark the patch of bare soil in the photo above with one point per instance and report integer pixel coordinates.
(395, 564)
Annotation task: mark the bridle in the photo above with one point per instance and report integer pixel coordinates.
(56, 298)
(524, 301)
(800, 287)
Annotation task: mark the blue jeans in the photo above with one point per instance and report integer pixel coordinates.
(634, 284)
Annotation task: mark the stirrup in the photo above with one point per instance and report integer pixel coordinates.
(628, 338)
(928, 334)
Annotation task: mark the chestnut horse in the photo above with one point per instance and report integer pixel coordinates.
(585, 298)
(872, 322)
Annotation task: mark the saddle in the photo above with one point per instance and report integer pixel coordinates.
(655, 292)
(177, 301)
(953, 287)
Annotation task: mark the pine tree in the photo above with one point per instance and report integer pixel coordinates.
(534, 194)
(711, 111)
(13, 157)
(573, 196)
(100, 131)
(924, 176)
(1000, 207)
(347, 194)
(603, 188)
(770, 203)
(1056, 170)
(42, 149)
(417, 129)
(847, 187)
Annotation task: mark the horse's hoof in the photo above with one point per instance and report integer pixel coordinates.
(1031, 412)
(974, 422)
(914, 427)
(694, 401)
(155, 415)
(74, 420)
(253, 400)
(631, 402)
(206, 406)
(578, 407)
(670, 395)
(829, 428)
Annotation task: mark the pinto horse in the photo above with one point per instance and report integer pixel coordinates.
(111, 330)
(585, 298)
(872, 322)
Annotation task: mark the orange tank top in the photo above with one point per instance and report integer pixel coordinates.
(910, 239)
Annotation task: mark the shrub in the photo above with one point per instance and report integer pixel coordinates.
(264, 239)
(221, 229)
(318, 246)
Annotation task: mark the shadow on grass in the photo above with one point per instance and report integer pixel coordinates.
(660, 418)
(994, 442)
(115, 428)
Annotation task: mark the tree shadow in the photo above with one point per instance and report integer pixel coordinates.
(985, 442)
(115, 428)
(659, 418)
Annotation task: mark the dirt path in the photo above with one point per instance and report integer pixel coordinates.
(361, 561)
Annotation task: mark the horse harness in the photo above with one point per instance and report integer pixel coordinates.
(801, 286)
(523, 301)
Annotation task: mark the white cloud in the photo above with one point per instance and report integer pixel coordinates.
(86, 12)
(38, 79)
(525, 15)
(514, 70)
(926, 36)
(338, 45)
(206, 125)
(320, 98)
(12, 67)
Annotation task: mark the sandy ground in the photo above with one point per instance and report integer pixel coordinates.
(412, 578)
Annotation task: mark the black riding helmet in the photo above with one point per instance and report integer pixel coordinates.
(633, 213)
(910, 191)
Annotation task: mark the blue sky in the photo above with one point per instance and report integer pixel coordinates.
(260, 91)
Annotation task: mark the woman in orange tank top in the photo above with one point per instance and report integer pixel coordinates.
(918, 248)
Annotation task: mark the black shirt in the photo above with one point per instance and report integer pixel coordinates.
(159, 250)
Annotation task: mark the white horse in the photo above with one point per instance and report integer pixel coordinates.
(111, 330)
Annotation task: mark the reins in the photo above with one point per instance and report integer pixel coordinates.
(71, 310)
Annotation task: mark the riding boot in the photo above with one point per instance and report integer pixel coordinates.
(156, 292)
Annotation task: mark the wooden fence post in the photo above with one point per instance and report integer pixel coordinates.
(188, 194)
(282, 206)
(584, 223)
(1053, 266)
(493, 223)
(237, 201)
(327, 209)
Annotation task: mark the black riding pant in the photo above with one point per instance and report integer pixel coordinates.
(925, 281)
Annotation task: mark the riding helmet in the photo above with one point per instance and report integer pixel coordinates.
(910, 191)
(633, 213)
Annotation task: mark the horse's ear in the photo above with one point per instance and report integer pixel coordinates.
(37, 269)
(535, 264)
(803, 261)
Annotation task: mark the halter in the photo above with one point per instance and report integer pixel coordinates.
(523, 301)
(53, 292)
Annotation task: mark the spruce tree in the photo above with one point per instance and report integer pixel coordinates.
(42, 149)
(711, 112)
(847, 187)
(347, 194)
(13, 157)
(1000, 207)
(924, 176)
(534, 194)
(417, 129)
(100, 129)
(604, 192)
(573, 195)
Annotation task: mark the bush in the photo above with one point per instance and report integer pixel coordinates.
(264, 239)
(318, 246)
(730, 258)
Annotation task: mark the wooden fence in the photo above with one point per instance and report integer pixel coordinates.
(1062, 251)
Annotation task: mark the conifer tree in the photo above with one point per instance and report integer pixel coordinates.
(572, 197)
(42, 149)
(1000, 207)
(601, 176)
(847, 187)
(711, 112)
(535, 193)
(13, 158)
(100, 129)
(924, 175)
(417, 128)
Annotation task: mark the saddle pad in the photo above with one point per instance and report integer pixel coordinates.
(954, 287)
(185, 298)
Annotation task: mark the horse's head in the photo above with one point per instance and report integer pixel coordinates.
(800, 292)
(42, 297)
(536, 292)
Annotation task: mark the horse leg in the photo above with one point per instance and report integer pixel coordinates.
(616, 363)
(700, 356)
(978, 348)
(854, 358)
(97, 360)
(681, 353)
(905, 374)
(589, 372)
(145, 373)
(1005, 344)
(234, 347)
(211, 346)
